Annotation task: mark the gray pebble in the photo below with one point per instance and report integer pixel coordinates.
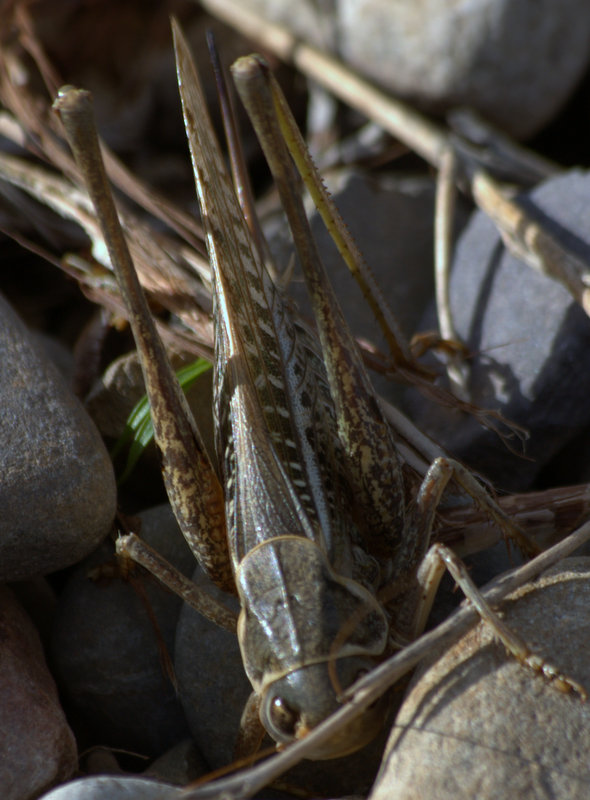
(106, 650)
(478, 724)
(103, 787)
(213, 687)
(180, 765)
(38, 748)
(39, 600)
(529, 339)
(113, 396)
(516, 63)
(57, 498)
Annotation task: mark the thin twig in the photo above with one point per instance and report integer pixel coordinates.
(530, 241)
(443, 237)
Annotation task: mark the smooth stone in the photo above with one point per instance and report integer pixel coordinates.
(107, 787)
(445, 55)
(39, 600)
(529, 340)
(115, 393)
(515, 63)
(106, 649)
(180, 765)
(58, 353)
(58, 494)
(38, 748)
(212, 684)
(100, 761)
(478, 724)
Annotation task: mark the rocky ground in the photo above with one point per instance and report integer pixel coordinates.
(112, 681)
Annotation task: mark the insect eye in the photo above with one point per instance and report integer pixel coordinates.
(283, 718)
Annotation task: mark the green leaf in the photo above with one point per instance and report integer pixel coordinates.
(139, 430)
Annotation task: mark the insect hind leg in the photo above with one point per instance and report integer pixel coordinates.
(414, 609)
(418, 532)
(439, 558)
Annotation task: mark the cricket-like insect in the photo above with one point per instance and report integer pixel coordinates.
(305, 515)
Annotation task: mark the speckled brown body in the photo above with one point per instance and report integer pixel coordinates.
(309, 469)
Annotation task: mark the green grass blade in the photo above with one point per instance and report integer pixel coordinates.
(139, 430)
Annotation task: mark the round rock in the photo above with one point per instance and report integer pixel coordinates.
(38, 748)
(58, 494)
(180, 765)
(213, 687)
(516, 63)
(529, 340)
(109, 638)
(107, 787)
(114, 395)
(478, 724)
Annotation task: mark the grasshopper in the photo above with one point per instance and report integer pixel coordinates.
(305, 514)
